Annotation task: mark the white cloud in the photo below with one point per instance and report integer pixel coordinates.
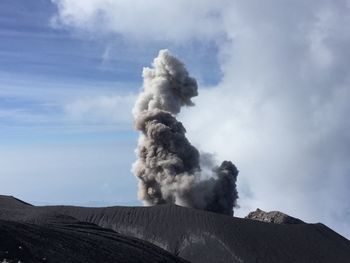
(106, 56)
(280, 111)
(102, 109)
(81, 107)
(47, 90)
(157, 20)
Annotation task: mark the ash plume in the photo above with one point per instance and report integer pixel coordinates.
(169, 168)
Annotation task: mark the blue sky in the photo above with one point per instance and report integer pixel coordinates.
(46, 73)
(273, 98)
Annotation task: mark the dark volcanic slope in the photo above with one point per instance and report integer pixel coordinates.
(22, 242)
(12, 202)
(30, 234)
(200, 236)
(197, 236)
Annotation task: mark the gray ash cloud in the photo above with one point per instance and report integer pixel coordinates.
(170, 169)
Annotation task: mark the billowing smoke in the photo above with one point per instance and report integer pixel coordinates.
(169, 168)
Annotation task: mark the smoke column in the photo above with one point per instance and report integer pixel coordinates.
(169, 168)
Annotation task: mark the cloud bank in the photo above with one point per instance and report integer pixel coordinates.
(157, 20)
(282, 103)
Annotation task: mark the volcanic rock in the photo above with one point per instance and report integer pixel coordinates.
(273, 217)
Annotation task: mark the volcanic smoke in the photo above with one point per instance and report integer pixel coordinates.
(169, 168)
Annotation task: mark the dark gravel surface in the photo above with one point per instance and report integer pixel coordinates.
(194, 235)
(29, 234)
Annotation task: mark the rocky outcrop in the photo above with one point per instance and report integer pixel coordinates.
(273, 217)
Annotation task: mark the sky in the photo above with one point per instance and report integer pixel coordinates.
(274, 91)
